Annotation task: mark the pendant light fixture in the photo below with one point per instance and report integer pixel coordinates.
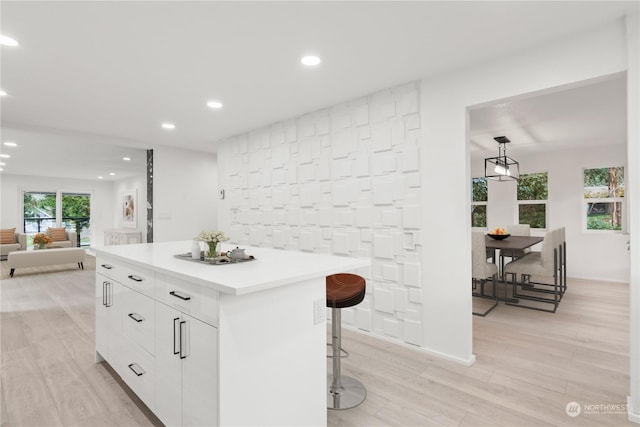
(501, 168)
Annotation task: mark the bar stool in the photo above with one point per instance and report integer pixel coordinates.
(343, 290)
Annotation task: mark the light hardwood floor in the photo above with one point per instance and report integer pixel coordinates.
(529, 364)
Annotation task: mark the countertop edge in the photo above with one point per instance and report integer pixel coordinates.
(353, 264)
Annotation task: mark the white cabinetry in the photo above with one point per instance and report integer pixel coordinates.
(151, 331)
(227, 342)
(139, 320)
(108, 320)
(187, 390)
(121, 237)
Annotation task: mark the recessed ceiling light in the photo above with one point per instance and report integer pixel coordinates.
(7, 41)
(3, 164)
(216, 105)
(3, 93)
(112, 174)
(1, 169)
(126, 159)
(310, 60)
(5, 156)
(10, 144)
(168, 126)
(100, 177)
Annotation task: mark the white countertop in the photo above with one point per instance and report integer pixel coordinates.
(271, 268)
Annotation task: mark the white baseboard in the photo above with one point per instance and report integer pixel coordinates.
(466, 362)
(634, 417)
(599, 279)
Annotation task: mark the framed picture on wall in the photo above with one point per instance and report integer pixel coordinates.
(129, 206)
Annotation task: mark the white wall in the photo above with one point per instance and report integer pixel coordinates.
(343, 180)
(139, 184)
(299, 185)
(447, 321)
(591, 254)
(185, 194)
(633, 197)
(101, 199)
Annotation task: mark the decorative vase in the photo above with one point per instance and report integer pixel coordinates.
(211, 252)
(195, 250)
(40, 245)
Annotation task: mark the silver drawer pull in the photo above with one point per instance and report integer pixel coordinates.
(136, 317)
(135, 278)
(182, 296)
(136, 369)
(109, 294)
(105, 298)
(106, 266)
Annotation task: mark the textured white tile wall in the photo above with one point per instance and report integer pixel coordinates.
(343, 180)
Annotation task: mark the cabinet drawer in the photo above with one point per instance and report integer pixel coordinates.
(107, 268)
(138, 278)
(139, 319)
(133, 276)
(137, 370)
(198, 301)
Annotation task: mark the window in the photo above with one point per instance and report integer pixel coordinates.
(532, 199)
(76, 208)
(479, 196)
(39, 210)
(603, 198)
(44, 209)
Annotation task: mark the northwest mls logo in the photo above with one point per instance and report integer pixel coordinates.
(573, 409)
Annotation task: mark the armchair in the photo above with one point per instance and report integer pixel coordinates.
(11, 244)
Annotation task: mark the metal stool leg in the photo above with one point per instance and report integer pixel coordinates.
(343, 392)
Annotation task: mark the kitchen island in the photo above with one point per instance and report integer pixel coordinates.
(201, 344)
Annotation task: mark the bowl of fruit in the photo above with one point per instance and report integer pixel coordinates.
(498, 233)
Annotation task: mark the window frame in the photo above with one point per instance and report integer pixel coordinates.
(484, 203)
(619, 199)
(58, 209)
(544, 202)
(21, 207)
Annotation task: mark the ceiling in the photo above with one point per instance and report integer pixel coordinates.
(592, 114)
(87, 74)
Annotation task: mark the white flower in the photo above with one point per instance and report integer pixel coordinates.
(212, 236)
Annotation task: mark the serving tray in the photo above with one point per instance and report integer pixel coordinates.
(222, 260)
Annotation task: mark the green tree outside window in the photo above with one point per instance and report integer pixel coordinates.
(76, 211)
(603, 194)
(533, 187)
(479, 197)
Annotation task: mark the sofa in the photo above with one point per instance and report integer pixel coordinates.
(61, 238)
(11, 241)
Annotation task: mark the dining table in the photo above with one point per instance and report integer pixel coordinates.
(510, 245)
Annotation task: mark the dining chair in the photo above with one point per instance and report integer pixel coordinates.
(543, 264)
(481, 270)
(559, 236)
(562, 248)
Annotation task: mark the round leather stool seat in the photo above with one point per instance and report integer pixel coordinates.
(345, 290)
